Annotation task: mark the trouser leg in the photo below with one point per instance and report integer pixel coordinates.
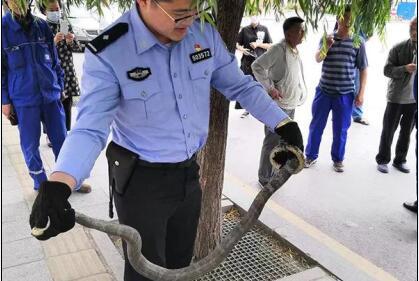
(320, 109)
(341, 118)
(391, 120)
(157, 202)
(269, 142)
(182, 226)
(30, 131)
(67, 105)
(54, 119)
(407, 123)
(357, 111)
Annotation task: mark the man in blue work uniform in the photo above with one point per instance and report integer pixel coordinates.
(31, 81)
(335, 91)
(148, 78)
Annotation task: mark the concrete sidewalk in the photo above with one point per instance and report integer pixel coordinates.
(71, 256)
(88, 255)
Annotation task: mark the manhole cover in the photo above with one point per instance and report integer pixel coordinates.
(258, 256)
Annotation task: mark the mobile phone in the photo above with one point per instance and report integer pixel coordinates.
(64, 27)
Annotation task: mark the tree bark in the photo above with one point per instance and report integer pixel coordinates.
(212, 156)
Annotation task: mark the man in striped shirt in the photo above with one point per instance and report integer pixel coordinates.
(336, 90)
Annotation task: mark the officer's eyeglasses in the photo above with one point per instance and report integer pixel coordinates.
(179, 21)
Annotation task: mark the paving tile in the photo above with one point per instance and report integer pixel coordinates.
(13, 231)
(99, 277)
(10, 140)
(8, 171)
(21, 169)
(110, 253)
(13, 149)
(10, 183)
(12, 196)
(79, 200)
(17, 158)
(68, 242)
(98, 211)
(14, 212)
(75, 266)
(21, 252)
(34, 271)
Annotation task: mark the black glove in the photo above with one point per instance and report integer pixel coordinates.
(290, 134)
(52, 202)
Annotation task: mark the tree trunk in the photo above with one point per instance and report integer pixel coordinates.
(212, 156)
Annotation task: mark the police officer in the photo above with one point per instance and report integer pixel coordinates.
(31, 80)
(148, 78)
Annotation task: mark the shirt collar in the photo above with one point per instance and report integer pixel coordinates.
(144, 38)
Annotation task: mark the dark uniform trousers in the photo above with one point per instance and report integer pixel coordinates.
(163, 203)
(394, 114)
(67, 105)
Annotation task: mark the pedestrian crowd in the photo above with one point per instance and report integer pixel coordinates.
(341, 90)
(154, 97)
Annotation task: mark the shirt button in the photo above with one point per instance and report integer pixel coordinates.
(206, 72)
(180, 96)
(143, 94)
(185, 116)
(175, 75)
(189, 135)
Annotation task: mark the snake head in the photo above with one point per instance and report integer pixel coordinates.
(287, 156)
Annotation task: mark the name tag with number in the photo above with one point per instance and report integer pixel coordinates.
(200, 55)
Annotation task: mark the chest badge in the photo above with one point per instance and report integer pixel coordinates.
(197, 47)
(139, 73)
(200, 54)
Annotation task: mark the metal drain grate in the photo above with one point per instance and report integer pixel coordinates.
(258, 256)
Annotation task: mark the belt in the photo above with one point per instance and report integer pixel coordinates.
(184, 164)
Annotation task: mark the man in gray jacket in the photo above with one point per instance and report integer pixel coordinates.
(280, 71)
(401, 106)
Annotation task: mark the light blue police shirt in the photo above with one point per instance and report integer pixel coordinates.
(164, 117)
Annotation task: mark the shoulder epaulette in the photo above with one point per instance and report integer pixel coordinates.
(108, 37)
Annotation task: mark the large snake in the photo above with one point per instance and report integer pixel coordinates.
(205, 265)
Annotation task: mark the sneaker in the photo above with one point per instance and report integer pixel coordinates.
(361, 121)
(309, 162)
(338, 167)
(84, 188)
(411, 206)
(383, 168)
(48, 141)
(245, 113)
(402, 167)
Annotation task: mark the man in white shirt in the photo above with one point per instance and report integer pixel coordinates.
(280, 71)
